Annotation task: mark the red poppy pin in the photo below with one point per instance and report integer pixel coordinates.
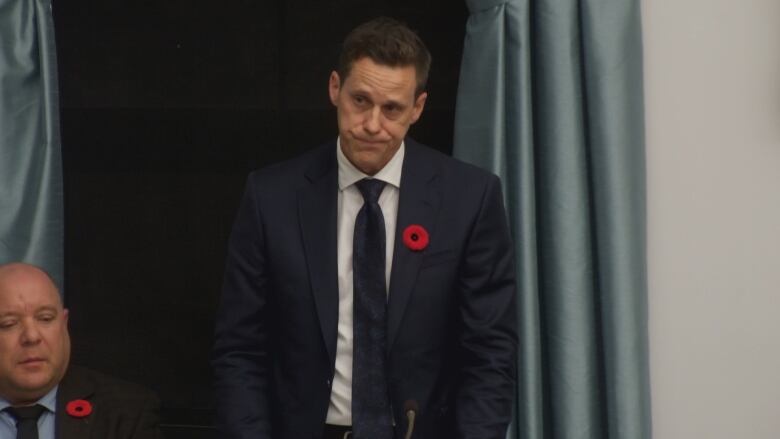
(415, 237)
(79, 408)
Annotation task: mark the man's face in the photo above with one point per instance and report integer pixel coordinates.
(376, 106)
(34, 340)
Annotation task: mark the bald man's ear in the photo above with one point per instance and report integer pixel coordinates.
(65, 315)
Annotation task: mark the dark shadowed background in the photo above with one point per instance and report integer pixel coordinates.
(165, 108)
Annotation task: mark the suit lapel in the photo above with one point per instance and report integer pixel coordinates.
(74, 385)
(317, 214)
(418, 204)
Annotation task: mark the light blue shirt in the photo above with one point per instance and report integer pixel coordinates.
(45, 422)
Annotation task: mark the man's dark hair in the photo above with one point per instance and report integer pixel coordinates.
(386, 42)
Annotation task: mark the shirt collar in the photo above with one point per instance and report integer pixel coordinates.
(49, 401)
(349, 174)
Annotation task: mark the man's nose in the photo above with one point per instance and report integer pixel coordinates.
(372, 123)
(31, 334)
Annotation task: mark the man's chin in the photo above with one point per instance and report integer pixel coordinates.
(370, 147)
(363, 142)
(370, 165)
(28, 391)
(35, 379)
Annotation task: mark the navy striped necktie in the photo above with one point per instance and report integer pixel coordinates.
(371, 417)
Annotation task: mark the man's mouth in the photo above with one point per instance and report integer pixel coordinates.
(32, 361)
(371, 142)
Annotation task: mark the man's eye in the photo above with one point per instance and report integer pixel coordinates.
(7, 324)
(360, 100)
(392, 111)
(46, 317)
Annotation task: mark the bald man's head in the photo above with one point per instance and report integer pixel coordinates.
(21, 275)
(34, 339)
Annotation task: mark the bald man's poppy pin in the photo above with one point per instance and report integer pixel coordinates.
(415, 237)
(79, 408)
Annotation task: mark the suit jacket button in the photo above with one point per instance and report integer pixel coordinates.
(327, 383)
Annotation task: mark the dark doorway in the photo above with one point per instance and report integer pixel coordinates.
(166, 106)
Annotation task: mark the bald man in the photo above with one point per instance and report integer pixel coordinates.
(41, 397)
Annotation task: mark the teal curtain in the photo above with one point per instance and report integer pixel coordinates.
(550, 99)
(31, 217)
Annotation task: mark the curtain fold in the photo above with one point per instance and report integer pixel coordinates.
(550, 99)
(31, 205)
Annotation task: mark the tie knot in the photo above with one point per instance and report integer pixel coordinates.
(24, 413)
(370, 188)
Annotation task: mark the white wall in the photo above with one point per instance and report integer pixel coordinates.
(712, 87)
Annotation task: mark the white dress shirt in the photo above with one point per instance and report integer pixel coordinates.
(349, 203)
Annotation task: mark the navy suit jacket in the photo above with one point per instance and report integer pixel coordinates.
(452, 336)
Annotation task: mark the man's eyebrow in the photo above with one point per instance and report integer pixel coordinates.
(360, 92)
(8, 314)
(393, 102)
(47, 308)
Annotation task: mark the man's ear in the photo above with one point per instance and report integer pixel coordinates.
(419, 105)
(65, 314)
(334, 86)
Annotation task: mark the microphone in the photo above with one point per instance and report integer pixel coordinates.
(410, 408)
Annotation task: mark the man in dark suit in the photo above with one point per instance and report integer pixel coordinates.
(41, 396)
(369, 289)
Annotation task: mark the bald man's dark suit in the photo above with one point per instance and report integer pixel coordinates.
(120, 410)
(451, 307)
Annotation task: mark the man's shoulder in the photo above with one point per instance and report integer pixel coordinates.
(321, 160)
(119, 409)
(80, 382)
(447, 165)
(312, 163)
